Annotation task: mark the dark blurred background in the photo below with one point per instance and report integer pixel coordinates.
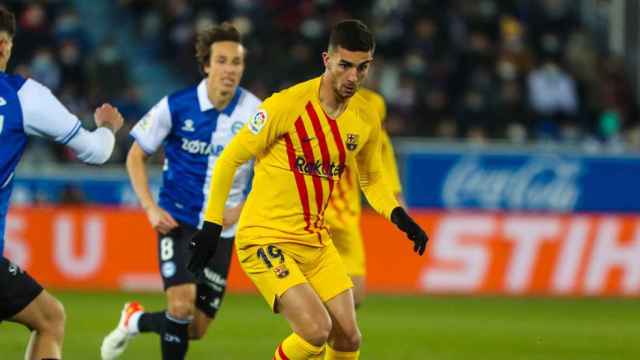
(520, 71)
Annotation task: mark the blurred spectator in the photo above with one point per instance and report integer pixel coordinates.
(616, 96)
(33, 30)
(474, 114)
(433, 108)
(72, 66)
(511, 120)
(107, 72)
(45, 69)
(552, 97)
(68, 28)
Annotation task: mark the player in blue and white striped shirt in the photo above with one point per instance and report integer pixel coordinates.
(29, 108)
(193, 126)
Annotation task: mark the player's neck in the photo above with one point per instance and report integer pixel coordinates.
(331, 103)
(219, 100)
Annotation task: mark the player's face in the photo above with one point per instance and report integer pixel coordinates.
(226, 66)
(6, 43)
(347, 69)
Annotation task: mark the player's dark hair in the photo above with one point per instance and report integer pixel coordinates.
(223, 32)
(352, 35)
(7, 21)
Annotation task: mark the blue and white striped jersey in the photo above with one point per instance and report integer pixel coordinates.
(27, 108)
(193, 134)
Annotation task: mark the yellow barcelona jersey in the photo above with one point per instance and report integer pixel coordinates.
(344, 208)
(300, 155)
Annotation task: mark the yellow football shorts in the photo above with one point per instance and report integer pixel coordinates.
(350, 246)
(277, 267)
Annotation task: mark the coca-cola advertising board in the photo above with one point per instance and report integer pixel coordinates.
(522, 181)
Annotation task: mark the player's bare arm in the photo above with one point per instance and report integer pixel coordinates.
(160, 220)
(232, 214)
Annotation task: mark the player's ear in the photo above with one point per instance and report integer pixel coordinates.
(205, 69)
(325, 58)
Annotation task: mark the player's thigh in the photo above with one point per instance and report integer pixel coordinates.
(272, 270)
(305, 312)
(174, 255)
(350, 246)
(342, 311)
(17, 290)
(43, 313)
(359, 289)
(326, 273)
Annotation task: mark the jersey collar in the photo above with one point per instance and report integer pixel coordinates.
(203, 96)
(205, 103)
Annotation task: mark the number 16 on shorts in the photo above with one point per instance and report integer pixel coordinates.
(272, 254)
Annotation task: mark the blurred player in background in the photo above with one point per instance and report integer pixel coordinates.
(343, 213)
(194, 125)
(29, 108)
(302, 139)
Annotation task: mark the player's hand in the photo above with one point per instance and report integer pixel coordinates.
(160, 220)
(231, 215)
(203, 246)
(414, 232)
(109, 117)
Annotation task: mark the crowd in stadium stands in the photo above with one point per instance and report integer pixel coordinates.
(516, 71)
(52, 46)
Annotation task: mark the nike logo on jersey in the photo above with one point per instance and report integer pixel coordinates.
(307, 139)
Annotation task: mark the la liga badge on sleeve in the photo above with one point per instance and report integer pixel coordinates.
(257, 121)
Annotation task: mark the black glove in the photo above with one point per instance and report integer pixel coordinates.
(203, 246)
(414, 232)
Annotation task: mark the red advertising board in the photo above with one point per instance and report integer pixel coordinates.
(469, 252)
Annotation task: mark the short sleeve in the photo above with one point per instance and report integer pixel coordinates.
(266, 125)
(154, 127)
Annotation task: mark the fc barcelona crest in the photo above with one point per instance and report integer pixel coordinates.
(281, 271)
(352, 141)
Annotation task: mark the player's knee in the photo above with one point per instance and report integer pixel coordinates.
(181, 309)
(357, 300)
(317, 330)
(53, 319)
(358, 291)
(197, 331)
(352, 339)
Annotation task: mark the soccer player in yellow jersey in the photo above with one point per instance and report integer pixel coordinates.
(343, 213)
(302, 138)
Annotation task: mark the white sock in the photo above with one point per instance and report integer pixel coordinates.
(132, 326)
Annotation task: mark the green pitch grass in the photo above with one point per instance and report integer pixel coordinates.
(398, 328)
